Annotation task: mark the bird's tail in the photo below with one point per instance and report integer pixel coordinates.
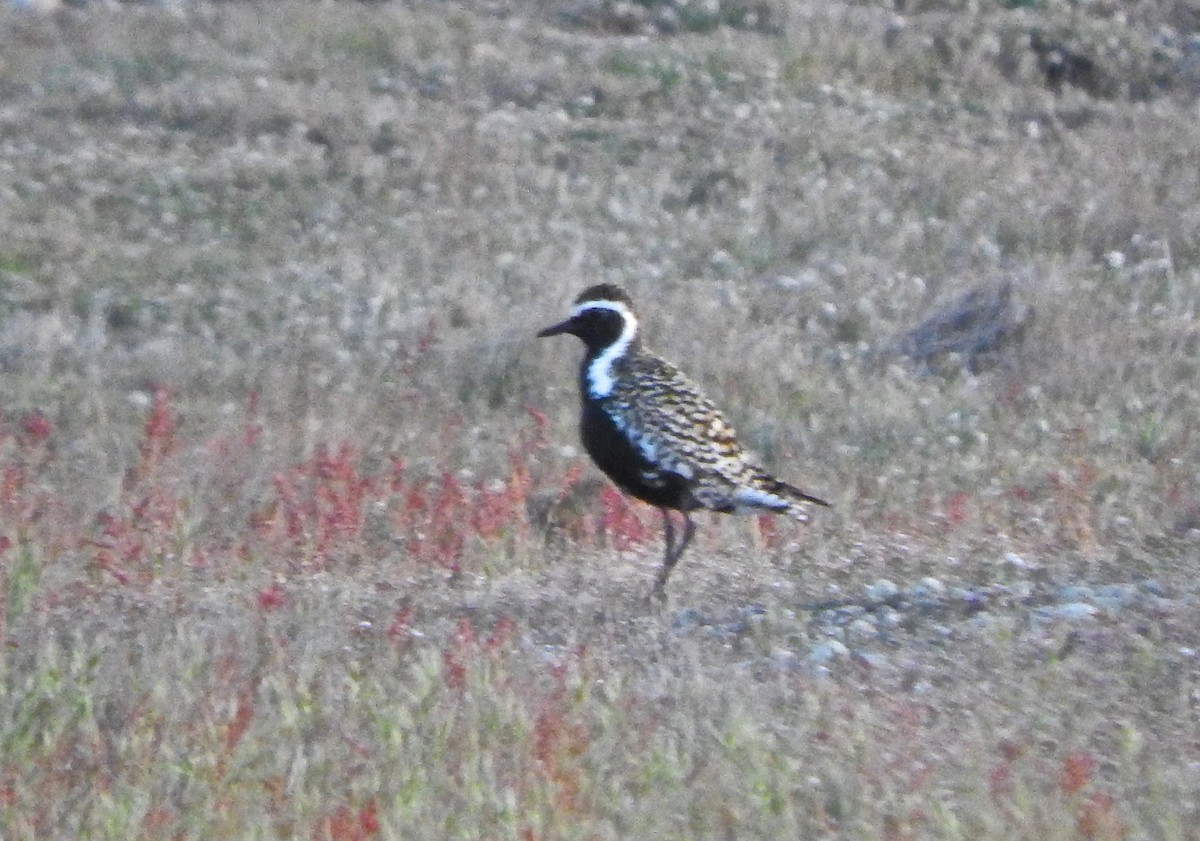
(765, 492)
(792, 493)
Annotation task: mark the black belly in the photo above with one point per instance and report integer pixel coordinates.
(625, 465)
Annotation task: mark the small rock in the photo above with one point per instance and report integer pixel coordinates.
(1015, 560)
(1154, 587)
(889, 617)
(784, 660)
(824, 652)
(871, 658)
(1071, 611)
(753, 613)
(1076, 594)
(930, 586)
(1115, 596)
(981, 621)
(728, 630)
(882, 590)
(687, 619)
(1021, 591)
(942, 630)
(971, 600)
(862, 630)
(842, 615)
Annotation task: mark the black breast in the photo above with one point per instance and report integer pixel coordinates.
(624, 464)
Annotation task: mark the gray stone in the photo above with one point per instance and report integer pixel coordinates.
(882, 590)
(824, 652)
(1072, 611)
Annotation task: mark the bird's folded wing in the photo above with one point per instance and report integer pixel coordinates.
(674, 425)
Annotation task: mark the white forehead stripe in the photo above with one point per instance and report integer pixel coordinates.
(599, 375)
(613, 306)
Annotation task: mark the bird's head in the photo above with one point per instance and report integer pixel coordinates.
(602, 317)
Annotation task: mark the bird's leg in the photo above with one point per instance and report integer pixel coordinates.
(668, 561)
(673, 551)
(689, 529)
(668, 536)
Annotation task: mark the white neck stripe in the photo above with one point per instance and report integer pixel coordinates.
(599, 374)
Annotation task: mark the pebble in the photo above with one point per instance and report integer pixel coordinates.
(889, 617)
(882, 590)
(1071, 610)
(971, 599)
(1016, 561)
(1021, 591)
(1076, 593)
(870, 658)
(1153, 587)
(929, 587)
(824, 652)
(842, 615)
(1115, 596)
(687, 619)
(784, 660)
(981, 621)
(862, 630)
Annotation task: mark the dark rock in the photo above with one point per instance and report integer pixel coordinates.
(977, 326)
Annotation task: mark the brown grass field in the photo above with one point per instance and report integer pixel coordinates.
(297, 540)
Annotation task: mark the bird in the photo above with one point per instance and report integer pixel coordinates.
(655, 434)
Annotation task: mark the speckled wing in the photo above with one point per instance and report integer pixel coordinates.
(679, 430)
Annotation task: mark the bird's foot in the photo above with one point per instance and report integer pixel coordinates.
(657, 594)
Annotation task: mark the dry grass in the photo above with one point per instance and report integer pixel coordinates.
(295, 537)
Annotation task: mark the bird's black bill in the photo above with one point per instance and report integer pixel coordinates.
(557, 329)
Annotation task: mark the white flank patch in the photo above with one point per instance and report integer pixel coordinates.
(676, 466)
(648, 450)
(752, 499)
(653, 478)
(599, 376)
